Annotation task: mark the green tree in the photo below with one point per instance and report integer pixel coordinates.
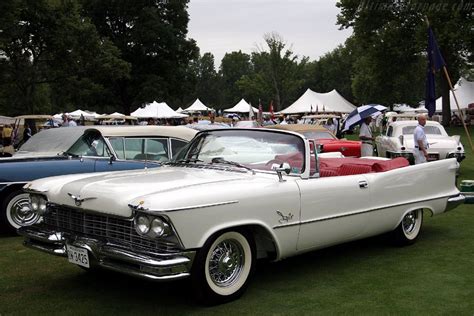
(52, 57)
(151, 36)
(390, 39)
(277, 74)
(334, 70)
(233, 67)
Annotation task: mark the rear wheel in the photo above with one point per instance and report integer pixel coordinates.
(16, 211)
(409, 229)
(223, 267)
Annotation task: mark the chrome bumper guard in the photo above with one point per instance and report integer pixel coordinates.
(154, 266)
(454, 202)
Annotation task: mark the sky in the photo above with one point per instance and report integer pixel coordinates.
(223, 26)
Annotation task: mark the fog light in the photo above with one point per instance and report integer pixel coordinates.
(142, 225)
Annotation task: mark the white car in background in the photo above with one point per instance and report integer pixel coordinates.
(398, 142)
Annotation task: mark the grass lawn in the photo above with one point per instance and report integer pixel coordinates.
(433, 276)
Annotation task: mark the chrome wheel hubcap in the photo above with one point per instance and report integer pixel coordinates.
(409, 222)
(226, 263)
(20, 212)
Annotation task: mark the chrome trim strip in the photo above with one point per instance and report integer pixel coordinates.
(356, 213)
(167, 210)
(17, 182)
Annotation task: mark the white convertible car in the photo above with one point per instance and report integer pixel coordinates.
(398, 142)
(230, 197)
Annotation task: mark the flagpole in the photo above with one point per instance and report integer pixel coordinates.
(448, 78)
(459, 109)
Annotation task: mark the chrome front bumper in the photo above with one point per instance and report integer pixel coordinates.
(154, 266)
(454, 202)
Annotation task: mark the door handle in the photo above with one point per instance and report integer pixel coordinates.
(363, 184)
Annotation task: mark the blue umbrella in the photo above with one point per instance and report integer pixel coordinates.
(361, 113)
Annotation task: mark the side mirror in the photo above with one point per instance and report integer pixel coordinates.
(112, 159)
(284, 167)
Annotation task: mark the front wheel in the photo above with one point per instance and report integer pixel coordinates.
(223, 267)
(409, 229)
(16, 211)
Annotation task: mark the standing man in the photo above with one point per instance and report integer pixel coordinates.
(365, 135)
(421, 143)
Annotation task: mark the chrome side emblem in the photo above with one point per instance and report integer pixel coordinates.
(284, 218)
(78, 200)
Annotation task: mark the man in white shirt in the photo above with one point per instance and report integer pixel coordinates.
(365, 135)
(421, 143)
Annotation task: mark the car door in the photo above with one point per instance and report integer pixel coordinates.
(333, 210)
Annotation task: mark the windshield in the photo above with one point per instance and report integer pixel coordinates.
(429, 130)
(90, 144)
(259, 150)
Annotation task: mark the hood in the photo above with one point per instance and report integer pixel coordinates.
(111, 192)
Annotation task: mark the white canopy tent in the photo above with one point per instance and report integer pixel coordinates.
(6, 120)
(157, 110)
(311, 101)
(76, 115)
(464, 93)
(241, 107)
(404, 108)
(179, 110)
(197, 106)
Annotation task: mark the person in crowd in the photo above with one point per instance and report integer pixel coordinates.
(212, 117)
(330, 126)
(421, 143)
(267, 121)
(26, 133)
(283, 121)
(7, 135)
(365, 135)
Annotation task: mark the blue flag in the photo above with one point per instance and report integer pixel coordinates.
(435, 63)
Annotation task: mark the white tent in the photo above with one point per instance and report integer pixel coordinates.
(197, 106)
(157, 110)
(6, 120)
(464, 93)
(404, 108)
(77, 115)
(328, 102)
(179, 110)
(241, 107)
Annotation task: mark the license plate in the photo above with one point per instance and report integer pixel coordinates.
(432, 157)
(78, 256)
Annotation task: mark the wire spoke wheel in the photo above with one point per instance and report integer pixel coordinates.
(226, 263)
(223, 267)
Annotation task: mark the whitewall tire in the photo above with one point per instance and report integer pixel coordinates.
(223, 267)
(409, 228)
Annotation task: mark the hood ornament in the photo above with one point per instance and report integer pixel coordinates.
(78, 200)
(138, 207)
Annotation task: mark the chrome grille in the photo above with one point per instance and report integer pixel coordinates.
(111, 229)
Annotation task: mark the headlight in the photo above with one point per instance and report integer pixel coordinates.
(38, 204)
(159, 228)
(142, 225)
(151, 226)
